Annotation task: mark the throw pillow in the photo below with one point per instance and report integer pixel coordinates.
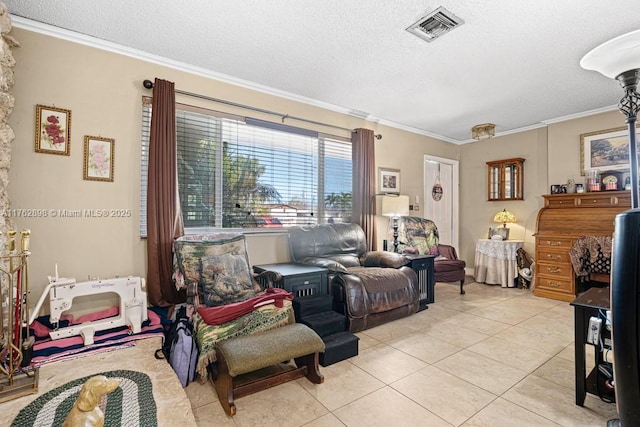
(226, 279)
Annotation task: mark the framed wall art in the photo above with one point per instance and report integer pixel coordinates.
(605, 150)
(98, 158)
(388, 180)
(53, 128)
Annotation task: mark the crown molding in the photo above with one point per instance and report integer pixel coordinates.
(580, 115)
(61, 33)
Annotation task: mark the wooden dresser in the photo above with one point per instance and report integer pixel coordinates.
(563, 219)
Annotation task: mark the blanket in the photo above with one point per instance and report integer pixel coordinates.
(46, 350)
(263, 318)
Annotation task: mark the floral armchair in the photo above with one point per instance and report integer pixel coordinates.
(227, 300)
(420, 236)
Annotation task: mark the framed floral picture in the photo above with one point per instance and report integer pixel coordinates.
(388, 180)
(98, 158)
(53, 127)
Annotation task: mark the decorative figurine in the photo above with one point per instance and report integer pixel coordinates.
(86, 412)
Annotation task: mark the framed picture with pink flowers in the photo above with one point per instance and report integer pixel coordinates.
(53, 127)
(98, 158)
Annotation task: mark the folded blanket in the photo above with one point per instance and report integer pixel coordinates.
(262, 319)
(228, 312)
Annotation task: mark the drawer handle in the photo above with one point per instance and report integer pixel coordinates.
(554, 257)
(595, 201)
(553, 284)
(550, 243)
(553, 269)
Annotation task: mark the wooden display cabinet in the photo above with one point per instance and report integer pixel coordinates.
(505, 179)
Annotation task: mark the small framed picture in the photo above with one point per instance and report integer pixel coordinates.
(98, 158)
(556, 189)
(388, 180)
(53, 127)
(503, 232)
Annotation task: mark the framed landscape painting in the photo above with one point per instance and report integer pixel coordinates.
(605, 150)
(53, 127)
(98, 158)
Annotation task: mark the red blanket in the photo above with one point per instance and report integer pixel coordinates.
(226, 313)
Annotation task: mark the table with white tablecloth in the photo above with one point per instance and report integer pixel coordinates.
(495, 262)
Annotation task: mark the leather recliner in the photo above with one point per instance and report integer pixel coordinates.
(369, 287)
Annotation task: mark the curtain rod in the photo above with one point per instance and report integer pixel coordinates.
(148, 84)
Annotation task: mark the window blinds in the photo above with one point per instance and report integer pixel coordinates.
(236, 172)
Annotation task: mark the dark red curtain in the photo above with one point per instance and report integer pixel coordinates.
(364, 183)
(164, 219)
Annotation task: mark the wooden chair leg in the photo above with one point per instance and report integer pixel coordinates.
(310, 361)
(224, 387)
(462, 291)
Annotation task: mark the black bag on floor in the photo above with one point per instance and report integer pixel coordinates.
(180, 348)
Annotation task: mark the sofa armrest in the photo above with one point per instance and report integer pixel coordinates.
(329, 264)
(384, 259)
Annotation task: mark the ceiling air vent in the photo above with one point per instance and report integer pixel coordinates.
(435, 24)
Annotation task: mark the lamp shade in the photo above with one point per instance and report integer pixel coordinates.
(614, 56)
(504, 216)
(395, 206)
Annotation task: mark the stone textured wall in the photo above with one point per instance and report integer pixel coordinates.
(7, 62)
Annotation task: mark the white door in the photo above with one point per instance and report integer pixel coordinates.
(441, 197)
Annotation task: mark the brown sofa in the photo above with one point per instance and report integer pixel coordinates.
(369, 287)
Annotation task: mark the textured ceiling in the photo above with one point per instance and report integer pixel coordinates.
(514, 63)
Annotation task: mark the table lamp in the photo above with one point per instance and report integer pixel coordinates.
(619, 59)
(395, 207)
(504, 217)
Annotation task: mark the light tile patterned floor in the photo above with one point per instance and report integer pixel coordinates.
(493, 357)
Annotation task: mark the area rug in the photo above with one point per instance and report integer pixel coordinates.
(131, 404)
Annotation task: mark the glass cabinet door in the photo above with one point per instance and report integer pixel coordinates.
(505, 179)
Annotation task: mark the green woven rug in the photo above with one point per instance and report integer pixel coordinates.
(131, 404)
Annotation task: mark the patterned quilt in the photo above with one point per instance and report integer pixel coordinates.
(262, 319)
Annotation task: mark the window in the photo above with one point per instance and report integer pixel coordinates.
(237, 172)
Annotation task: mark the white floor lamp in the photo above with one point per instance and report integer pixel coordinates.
(619, 59)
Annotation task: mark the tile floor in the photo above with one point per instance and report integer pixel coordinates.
(493, 357)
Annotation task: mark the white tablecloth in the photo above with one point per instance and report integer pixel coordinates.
(495, 262)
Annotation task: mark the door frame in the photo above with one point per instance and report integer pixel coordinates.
(454, 193)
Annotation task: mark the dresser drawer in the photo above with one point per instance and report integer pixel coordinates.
(561, 202)
(555, 284)
(597, 200)
(553, 242)
(553, 255)
(557, 270)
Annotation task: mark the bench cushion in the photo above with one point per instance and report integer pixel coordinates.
(252, 352)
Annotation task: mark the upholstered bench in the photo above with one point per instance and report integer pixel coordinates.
(244, 354)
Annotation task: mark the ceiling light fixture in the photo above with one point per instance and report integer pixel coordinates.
(483, 131)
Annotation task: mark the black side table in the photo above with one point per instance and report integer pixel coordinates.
(424, 268)
(300, 280)
(588, 304)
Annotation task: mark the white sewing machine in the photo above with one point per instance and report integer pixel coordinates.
(61, 291)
